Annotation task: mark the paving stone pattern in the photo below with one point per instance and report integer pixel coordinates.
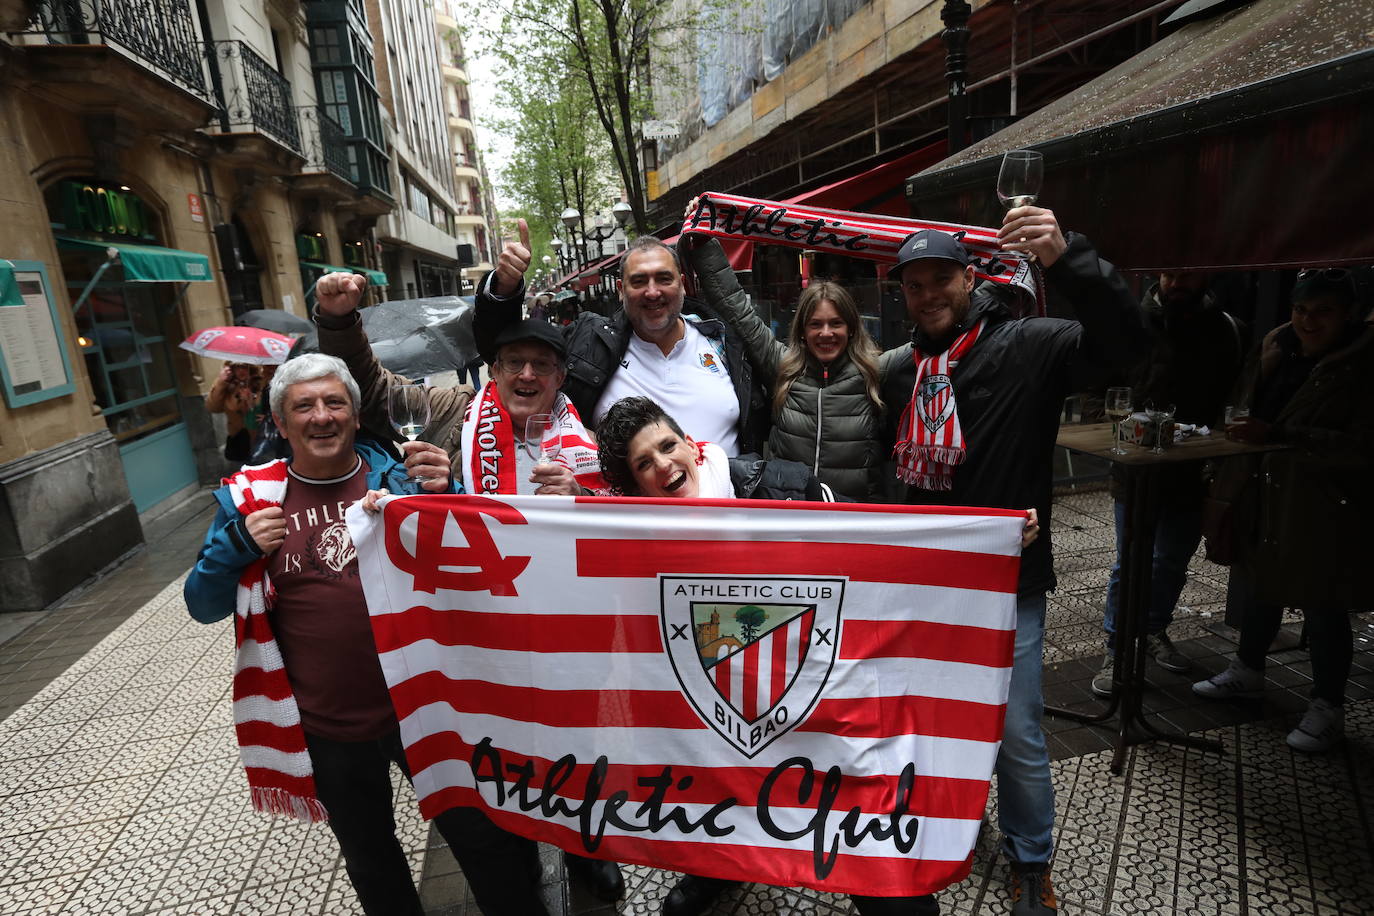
(121, 792)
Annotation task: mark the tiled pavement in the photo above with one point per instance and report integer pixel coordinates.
(120, 790)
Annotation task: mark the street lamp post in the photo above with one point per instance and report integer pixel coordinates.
(571, 218)
(623, 212)
(557, 245)
(599, 233)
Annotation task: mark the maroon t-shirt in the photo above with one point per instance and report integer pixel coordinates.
(320, 616)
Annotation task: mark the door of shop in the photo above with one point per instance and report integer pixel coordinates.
(124, 337)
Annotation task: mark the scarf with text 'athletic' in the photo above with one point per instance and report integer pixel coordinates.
(266, 718)
(489, 446)
(930, 441)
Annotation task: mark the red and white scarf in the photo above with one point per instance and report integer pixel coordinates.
(490, 449)
(266, 718)
(930, 441)
(852, 234)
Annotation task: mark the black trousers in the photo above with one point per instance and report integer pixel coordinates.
(1328, 641)
(353, 781)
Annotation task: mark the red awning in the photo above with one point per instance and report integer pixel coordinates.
(589, 276)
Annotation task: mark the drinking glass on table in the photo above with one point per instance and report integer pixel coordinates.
(540, 443)
(1118, 408)
(1161, 416)
(1018, 182)
(408, 408)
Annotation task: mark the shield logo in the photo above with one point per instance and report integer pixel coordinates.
(936, 401)
(752, 654)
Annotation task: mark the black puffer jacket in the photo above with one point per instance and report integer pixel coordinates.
(827, 422)
(596, 346)
(1010, 389)
(760, 478)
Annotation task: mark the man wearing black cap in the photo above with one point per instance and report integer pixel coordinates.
(983, 391)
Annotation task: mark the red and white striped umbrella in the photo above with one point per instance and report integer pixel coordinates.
(240, 345)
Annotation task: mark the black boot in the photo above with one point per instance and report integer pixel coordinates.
(693, 895)
(600, 877)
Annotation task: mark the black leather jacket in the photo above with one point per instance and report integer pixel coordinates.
(596, 346)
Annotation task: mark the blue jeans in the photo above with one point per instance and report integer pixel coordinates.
(1177, 535)
(1025, 792)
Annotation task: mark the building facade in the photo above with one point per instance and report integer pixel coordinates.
(158, 182)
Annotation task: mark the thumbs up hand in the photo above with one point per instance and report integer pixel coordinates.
(514, 261)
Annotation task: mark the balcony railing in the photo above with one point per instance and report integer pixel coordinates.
(162, 34)
(326, 147)
(256, 97)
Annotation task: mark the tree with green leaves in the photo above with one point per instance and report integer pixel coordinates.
(610, 47)
(750, 618)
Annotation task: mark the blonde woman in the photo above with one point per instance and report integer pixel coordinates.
(824, 383)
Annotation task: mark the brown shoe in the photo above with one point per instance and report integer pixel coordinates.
(1032, 892)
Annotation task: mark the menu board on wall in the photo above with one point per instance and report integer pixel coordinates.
(33, 354)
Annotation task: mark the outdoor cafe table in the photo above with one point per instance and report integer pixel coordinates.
(1140, 467)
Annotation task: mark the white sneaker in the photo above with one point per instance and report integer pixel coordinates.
(1322, 726)
(1238, 680)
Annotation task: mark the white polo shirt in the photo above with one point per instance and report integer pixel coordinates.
(692, 383)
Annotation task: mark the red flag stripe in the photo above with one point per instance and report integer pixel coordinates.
(923, 639)
(791, 505)
(932, 796)
(627, 708)
(625, 559)
(915, 715)
(559, 708)
(870, 875)
(541, 633)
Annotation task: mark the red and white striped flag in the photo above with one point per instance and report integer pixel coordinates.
(760, 691)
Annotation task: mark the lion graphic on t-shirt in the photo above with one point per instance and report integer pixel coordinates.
(332, 550)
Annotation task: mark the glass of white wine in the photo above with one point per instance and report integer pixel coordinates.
(408, 408)
(1163, 419)
(1118, 408)
(1019, 180)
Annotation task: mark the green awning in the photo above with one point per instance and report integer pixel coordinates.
(149, 263)
(374, 277)
(9, 290)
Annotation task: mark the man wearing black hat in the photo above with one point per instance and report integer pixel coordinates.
(983, 391)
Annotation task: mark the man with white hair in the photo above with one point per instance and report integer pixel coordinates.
(316, 727)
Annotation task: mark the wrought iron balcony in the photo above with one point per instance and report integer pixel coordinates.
(326, 148)
(255, 97)
(161, 34)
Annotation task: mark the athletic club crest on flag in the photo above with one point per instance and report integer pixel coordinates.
(937, 401)
(751, 654)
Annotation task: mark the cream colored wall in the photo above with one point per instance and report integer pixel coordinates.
(43, 145)
(873, 37)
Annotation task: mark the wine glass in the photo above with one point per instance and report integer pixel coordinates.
(540, 444)
(1161, 417)
(408, 408)
(1018, 182)
(1118, 408)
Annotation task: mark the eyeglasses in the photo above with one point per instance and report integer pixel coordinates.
(514, 365)
(1334, 274)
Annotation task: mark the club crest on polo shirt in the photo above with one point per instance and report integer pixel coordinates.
(709, 362)
(752, 654)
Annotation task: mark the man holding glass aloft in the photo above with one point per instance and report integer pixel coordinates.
(983, 391)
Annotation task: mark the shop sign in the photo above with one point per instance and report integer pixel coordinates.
(196, 207)
(104, 211)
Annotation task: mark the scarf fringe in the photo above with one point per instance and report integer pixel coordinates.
(925, 480)
(271, 800)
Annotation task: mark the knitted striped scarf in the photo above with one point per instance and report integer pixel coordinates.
(930, 441)
(266, 718)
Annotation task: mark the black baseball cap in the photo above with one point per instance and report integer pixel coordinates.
(1324, 281)
(928, 243)
(536, 330)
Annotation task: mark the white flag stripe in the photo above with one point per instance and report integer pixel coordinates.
(938, 838)
(952, 758)
(295, 763)
(259, 708)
